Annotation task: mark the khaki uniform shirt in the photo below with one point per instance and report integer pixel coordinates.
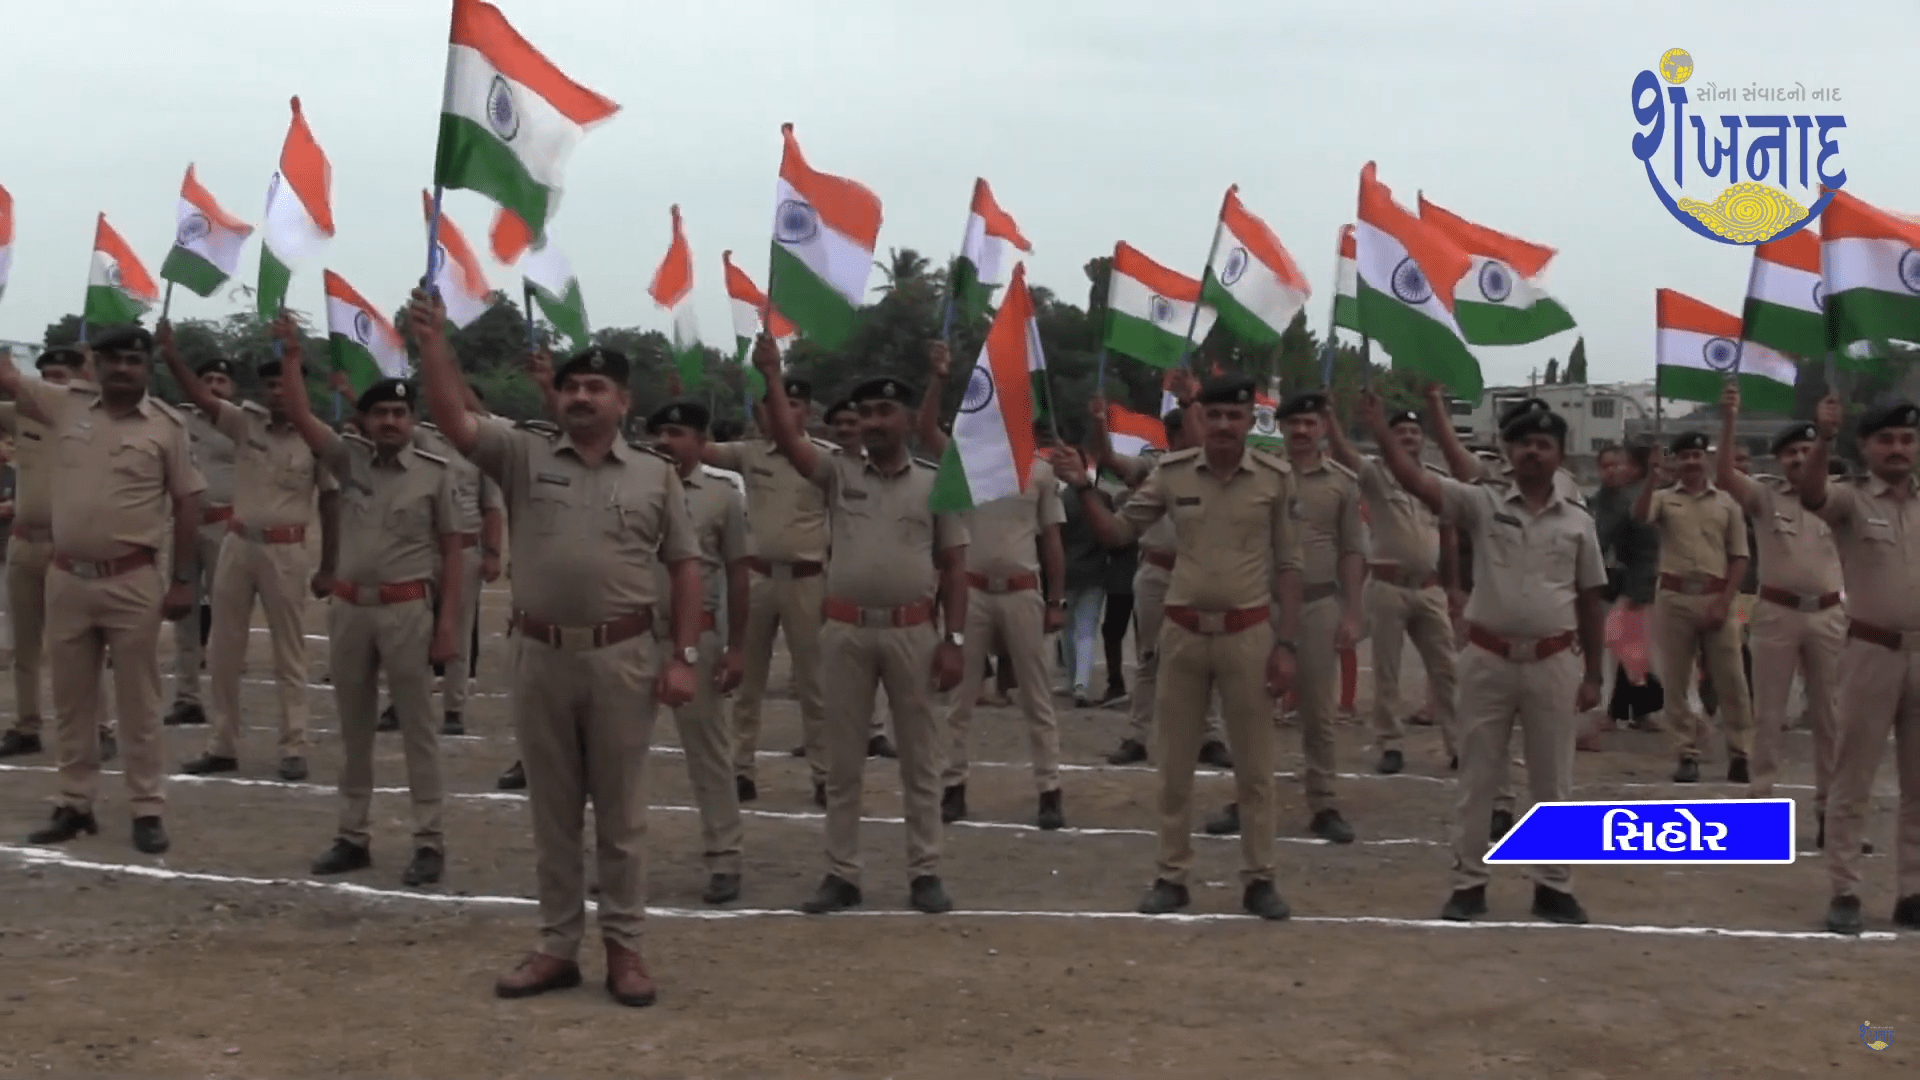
(1699, 534)
(585, 538)
(392, 512)
(1795, 547)
(1879, 541)
(114, 480)
(1232, 534)
(473, 492)
(1329, 498)
(1404, 530)
(1159, 536)
(213, 455)
(275, 473)
(788, 512)
(884, 537)
(719, 514)
(1527, 569)
(1002, 536)
(32, 468)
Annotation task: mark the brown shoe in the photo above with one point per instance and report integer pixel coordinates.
(537, 974)
(627, 978)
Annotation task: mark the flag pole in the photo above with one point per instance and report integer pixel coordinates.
(166, 301)
(526, 299)
(1193, 323)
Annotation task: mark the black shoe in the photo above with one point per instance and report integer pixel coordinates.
(1688, 772)
(1737, 770)
(721, 889)
(343, 857)
(14, 744)
(1329, 825)
(1164, 898)
(184, 714)
(1115, 693)
(1465, 904)
(1129, 753)
(1214, 752)
(514, 779)
(1263, 900)
(109, 747)
(425, 869)
(798, 751)
(1820, 834)
(389, 720)
(834, 894)
(1502, 824)
(1906, 912)
(1226, 822)
(1843, 915)
(1556, 906)
(208, 764)
(1391, 761)
(451, 724)
(1453, 763)
(293, 768)
(820, 794)
(745, 789)
(1081, 701)
(150, 836)
(881, 746)
(928, 896)
(1051, 815)
(953, 803)
(67, 824)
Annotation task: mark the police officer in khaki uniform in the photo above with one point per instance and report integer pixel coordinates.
(122, 469)
(893, 564)
(1538, 585)
(1703, 559)
(842, 420)
(482, 524)
(590, 517)
(719, 513)
(1232, 611)
(213, 456)
(1876, 526)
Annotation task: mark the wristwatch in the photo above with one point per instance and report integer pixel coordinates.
(956, 639)
(1058, 605)
(180, 578)
(1287, 644)
(690, 656)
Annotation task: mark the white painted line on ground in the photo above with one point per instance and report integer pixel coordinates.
(50, 857)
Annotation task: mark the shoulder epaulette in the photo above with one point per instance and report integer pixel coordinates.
(1342, 469)
(649, 448)
(430, 456)
(1271, 461)
(926, 464)
(1188, 454)
(1777, 483)
(255, 408)
(540, 427)
(824, 444)
(352, 436)
(170, 412)
(429, 425)
(1436, 469)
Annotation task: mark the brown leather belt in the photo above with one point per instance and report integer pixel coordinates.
(387, 592)
(784, 569)
(583, 638)
(1194, 620)
(1798, 602)
(1011, 584)
(1393, 575)
(469, 540)
(846, 611)
(1523, 651)
(94, 571)
(214, 515)
(276, 534)
(1692, 584)
(1165, 560)
(1311, 593)
(38, 533)
(1897, 640)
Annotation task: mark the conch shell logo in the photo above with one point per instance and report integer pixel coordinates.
(1747, 213)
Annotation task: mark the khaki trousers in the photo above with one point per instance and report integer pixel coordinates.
(585, 721)
(707, 739)
(1192, 668)
(278, 575)
(1396, 614)
(187, 651)
(1149, 612)
(1016, 622)
(790, 606)
(363, 641)
(1785, 641)
(87, 620)
(1318, 680)
(455, 684)
(1494, 692)
(1879, 692)
(1677, 640)
(27, 568)
(855, 660)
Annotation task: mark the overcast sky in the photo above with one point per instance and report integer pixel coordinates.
(1095, 121)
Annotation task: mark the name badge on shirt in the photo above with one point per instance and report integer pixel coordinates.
(761, 472)
(1507, 519)
(257, 445)
(553, 478)
(1187, 500)
(853, 493)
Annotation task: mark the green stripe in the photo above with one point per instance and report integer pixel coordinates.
(1142, 340)
(353, 358)
(568, 313)
(1784, 329)
(1873, 315)
(951, 492)
(743, 359)
(809, 302)
(1501, 324)
(472, 157)
(1757, 394)
(972, 297)
(1346, 312)
(186, 268)
(691, 366)
(1239, 318)
(1418, 344)
(109, 306)
(271, 294)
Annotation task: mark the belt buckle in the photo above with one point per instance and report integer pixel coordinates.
(780, 571)
(1809, 604)
(86, 571)
(1212, 622)
(875, 618)
(575, 638)
(998, 584)
(1695, 587)
(1523, 652)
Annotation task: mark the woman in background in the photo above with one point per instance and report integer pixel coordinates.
(1633, 556)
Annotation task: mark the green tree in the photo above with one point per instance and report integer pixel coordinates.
(1577, 362)
(1553, 371)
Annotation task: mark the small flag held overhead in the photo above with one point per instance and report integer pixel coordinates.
(547, 273)
(456, 271)
(1697, 347)
(1251, 280)
(1133, 433)
(747, 303)
(119, 289)
(988, 247)
(1408, 273)
(6, 238)
(1870, 261)
(1150, 309)
(991, 454)
(299, 219)
(1346, 284)
(825, 228)
(1500, 301)
(206, 241)
(1785, 297)
(672, 288)
(360, 339)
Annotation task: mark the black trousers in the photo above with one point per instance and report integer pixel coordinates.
(1113, 634)
(1630, 702)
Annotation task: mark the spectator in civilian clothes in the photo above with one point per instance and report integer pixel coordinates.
(1633, 553)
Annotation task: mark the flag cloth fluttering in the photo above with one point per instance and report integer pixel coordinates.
(747, 302)
(824, 232)
(1151, 308)
(1500, 301)
(299, 219)
(1346, 284)
(1785, 296)
(1133, 433)
(206, 241)
(1407, 273)
(985, 253)
(360, 340)
(991, 453)
(547, 274)
(1697, 347)
(119, 289)
(672, 288)
(6, 238)
(1250, 279)
(1870, 263)
(456, 271)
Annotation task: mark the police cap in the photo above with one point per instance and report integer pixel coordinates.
(387, 390)
(1799, 431)
(594, 361)
(1894, 414)
(1534, 418)
(683, 413)
(117, 338)
(1689, 440)
(217, 366)
(884, 388)
(63, 355)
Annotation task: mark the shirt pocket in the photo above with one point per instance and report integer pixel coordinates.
(1557, 560)
(549, 506)
(136, 458)
(409, 518)
(293, 469)
(637, 514)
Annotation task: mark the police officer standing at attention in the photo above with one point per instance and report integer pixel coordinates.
(894, 564)
(482, 523)
(264, 555)
(123, 474)
(213, 456)
(1876, 525)
(590, 517)
(1703, 559)
(719, 514)
(1538, 586)
(1232, 611)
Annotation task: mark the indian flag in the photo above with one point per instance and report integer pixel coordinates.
(1500, 301)
(1250, 279)
(1784, 309)
(1407, 274)
(1152, 312)
(510, 119)
(747, 302)
(456, 271)
(1870, 263)
(362, 342)
(299, 219)
(985, 252)
(991, 453)
(1133, 433)
(547, 274)
(824, 231)
(1698, 347)
(206, 241)
(672, 288)
(1346, 284)
(119, 289)
(6, 238)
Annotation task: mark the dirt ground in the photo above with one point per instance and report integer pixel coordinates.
(225, 959)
